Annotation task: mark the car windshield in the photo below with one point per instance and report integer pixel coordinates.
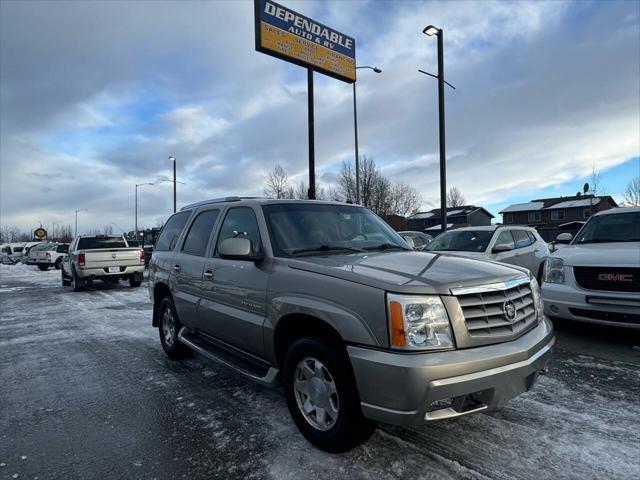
(461, 241)
(312, 228)
(91, 243)
(615, 227)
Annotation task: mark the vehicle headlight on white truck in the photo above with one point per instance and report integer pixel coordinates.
(537, 299)
(554, 270)
(418, 322)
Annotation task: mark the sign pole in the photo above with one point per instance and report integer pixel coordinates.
(312, 150)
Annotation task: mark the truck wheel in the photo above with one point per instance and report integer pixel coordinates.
(65, 281)
(135, 280)
(169, 326)
(77, 284)
(43, 268)
(58, 263)
(322, 397)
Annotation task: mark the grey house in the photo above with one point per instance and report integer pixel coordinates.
(466, 216)
(551, 216)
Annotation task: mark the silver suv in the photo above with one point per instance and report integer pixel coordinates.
(327, 300)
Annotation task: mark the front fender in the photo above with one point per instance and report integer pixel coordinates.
(351, 327)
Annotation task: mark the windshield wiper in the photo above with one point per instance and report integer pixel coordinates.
(385, 246)
(324, 248)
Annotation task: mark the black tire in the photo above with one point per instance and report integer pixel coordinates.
(133, 283)
(65, 281)
(76, 283)
(43, 268)
(58, 263)
(169, 341)
(350, 428)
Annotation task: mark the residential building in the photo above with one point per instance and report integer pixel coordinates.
(551, 216)
(466, 216)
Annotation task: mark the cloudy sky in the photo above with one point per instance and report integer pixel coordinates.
(96, 95)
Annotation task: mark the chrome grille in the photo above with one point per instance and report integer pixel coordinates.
(484, 308)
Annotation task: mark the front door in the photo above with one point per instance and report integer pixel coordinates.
(233, 307)
(510, 256)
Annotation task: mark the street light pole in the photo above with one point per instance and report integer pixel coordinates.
(355, 130)
(431, 30)
(75, 232)
(136, 209)
(173, 159)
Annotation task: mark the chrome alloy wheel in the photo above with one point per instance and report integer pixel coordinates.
(168, 327)
(316, 393)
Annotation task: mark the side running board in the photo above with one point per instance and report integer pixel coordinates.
(228, 356)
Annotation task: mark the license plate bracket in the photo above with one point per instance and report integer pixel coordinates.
(114, 270)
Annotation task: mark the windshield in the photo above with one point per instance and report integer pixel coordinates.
(90, 243)
(461, 241)
(305, 228)
(617, 227)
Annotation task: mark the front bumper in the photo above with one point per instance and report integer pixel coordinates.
(411, 388)
(620, 309)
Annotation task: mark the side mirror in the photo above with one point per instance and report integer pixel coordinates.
(504, 247)
(564, 238)
(238, 248)
(409, 241)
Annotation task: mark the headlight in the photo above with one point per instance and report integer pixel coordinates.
(554, 270)
(537, 299)
(418, 322)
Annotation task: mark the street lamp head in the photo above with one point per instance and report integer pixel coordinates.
(431, 30)
(172, 158)
(377, 70)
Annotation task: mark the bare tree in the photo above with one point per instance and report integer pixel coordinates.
(278, 184)
(455, 197)
(596, 186)
(405, 200)
(632, 193)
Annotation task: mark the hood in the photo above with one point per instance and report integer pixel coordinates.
(408, 271)
(601, 254)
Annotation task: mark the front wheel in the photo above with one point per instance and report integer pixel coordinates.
(65, 281)
(58, 264)
(322, 397)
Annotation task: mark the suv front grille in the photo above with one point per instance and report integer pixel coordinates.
(612, 279)
(486, 311)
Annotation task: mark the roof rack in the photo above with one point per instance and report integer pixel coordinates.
(216, 200)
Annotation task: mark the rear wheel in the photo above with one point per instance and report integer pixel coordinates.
(76, 283)
(169, 327)
(322, 397)
(58, 263)
(43, 268)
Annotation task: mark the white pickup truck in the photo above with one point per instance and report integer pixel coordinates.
(101, 257)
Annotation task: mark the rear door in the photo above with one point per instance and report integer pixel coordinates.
(188, 265)
(233, 307)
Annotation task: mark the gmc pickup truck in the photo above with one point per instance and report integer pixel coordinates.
(101, 257)
(327, 300)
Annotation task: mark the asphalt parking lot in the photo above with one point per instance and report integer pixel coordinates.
(88, 393)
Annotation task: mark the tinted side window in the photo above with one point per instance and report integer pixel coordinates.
(241, 222)
(505, 238)
(199, 233)
(522, 239)
(532, 237)
(171, 231)
(62, 249)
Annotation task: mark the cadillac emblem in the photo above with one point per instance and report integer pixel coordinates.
(510, 310)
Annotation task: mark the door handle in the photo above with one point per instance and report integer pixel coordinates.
(176, 268)
(208, 274)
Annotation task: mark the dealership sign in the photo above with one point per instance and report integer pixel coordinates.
(283, 33)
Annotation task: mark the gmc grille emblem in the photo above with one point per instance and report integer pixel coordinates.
(615, 277)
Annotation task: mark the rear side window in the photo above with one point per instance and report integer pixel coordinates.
(522, 238)
(91, 243)
(199, 233)
(62, 249)
(241, 222)
(171, 231)
(532, 237)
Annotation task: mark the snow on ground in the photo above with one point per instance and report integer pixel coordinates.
(88, 393)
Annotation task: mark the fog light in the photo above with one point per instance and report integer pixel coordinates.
(554, 309)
